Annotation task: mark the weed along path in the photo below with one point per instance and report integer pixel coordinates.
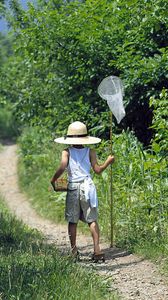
(131, 276)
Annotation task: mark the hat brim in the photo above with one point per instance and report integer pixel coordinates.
(87, 140)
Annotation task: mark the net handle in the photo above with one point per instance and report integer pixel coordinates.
(111, 187)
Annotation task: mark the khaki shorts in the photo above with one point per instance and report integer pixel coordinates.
(77, 207)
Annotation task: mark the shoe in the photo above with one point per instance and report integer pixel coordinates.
(98, 257)
(76, 255)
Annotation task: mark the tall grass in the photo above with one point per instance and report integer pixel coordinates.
(139, 188)
(139, 191)
(30, 269)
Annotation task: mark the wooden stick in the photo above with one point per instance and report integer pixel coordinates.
(111, 188)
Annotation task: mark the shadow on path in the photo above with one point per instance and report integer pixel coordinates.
(7, 142)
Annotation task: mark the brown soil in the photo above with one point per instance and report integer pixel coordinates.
(129, 275)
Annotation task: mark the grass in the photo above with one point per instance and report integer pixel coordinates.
(158, 253)
(30, 269)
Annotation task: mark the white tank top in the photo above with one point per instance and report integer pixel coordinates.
(79, 164)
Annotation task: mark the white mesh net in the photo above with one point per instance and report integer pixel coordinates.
(111, 89)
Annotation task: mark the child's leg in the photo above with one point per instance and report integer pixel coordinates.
(94, 229)
(72, 229)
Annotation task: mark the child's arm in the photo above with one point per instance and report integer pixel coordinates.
(99, 168)
(62, 167)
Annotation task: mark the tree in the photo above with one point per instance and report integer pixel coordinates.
(65, 50)
(2, 8)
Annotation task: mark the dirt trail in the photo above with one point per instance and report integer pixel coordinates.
(133, 277)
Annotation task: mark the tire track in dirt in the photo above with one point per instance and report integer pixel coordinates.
(133, 277)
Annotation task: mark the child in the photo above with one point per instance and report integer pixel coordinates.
(81, 199)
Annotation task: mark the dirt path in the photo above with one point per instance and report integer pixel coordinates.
(133, 277)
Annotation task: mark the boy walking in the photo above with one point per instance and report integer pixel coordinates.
(81, 199)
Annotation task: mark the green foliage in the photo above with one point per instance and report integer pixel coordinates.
(160, 123)
(2, 8)
(139, 191)
(29, 269)
(6, 48)
(5, 85)
(64, 49)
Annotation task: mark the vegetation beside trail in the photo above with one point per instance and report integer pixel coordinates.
(30, 269)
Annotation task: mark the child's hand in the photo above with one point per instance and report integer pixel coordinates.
(110, 159)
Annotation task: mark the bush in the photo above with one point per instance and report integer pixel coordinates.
(160, 124)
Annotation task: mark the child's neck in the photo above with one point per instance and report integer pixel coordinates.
(78, 146)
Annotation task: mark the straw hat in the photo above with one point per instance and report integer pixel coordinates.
(77, 135)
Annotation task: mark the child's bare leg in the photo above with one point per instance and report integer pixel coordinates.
(72, 228)
(94, 229)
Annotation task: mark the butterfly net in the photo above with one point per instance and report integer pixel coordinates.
(111, 89)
